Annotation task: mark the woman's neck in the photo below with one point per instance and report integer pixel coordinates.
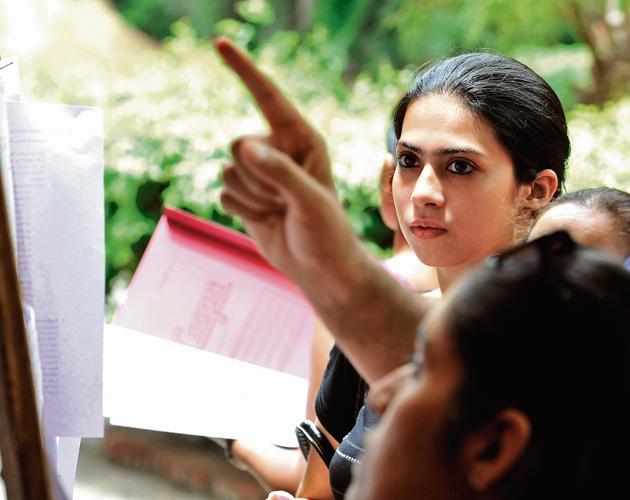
(448, 276)
(406, 263)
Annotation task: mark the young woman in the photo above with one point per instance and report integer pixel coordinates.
(482, 146)
(596, 217)
(511, 395)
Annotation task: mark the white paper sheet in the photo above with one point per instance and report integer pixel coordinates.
(67, 460)
(156, 384)
(10, 77)
(33, 351)
(5, 160)
(57, 166)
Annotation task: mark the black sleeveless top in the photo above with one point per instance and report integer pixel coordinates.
(341, 410)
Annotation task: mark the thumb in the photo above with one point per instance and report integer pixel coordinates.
(278, 170)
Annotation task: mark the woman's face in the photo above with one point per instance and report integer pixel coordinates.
(454, 187)
(405, 454)
(587, 226)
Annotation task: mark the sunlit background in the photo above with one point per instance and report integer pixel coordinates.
(171, 108)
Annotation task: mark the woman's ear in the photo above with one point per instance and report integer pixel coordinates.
(388, 211)
(541, 190)
(489, 453)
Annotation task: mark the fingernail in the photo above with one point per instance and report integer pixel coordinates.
(257, 151)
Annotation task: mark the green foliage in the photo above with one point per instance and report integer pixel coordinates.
(344, 21)
(256, 12)
(361, 203)
(172, 110)
(441, 27)
(171, 114)
(155, 17)
(358, 35)
(600, 150)
(565, 67)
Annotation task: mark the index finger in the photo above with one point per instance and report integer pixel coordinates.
(276, 108)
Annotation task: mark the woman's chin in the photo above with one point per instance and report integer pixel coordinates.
(439, 260)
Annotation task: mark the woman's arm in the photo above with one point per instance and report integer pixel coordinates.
(315, 484)
(321, 345)
(281, 185)
(275, 468)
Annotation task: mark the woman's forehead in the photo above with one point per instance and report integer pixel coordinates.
(447, 108)
(442, 121)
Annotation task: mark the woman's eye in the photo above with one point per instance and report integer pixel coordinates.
(406, 161)
(460, 167)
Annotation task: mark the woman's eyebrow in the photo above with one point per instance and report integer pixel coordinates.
(441, 151)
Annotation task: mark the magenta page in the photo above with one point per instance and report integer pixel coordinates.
(205, 286)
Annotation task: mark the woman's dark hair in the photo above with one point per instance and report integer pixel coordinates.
(615, 203)
(519, 105)
(548, 333)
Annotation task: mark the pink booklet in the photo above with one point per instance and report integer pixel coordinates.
(206, 286)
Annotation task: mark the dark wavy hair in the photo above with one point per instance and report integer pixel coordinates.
(547, 332)
(519, 105)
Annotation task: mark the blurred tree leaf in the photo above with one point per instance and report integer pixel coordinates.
(256, 11)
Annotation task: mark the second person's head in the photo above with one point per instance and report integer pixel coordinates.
(596, 217)
(518, 389)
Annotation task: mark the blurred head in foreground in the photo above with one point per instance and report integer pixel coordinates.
(518, 389)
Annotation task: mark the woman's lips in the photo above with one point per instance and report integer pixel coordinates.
(427, 231)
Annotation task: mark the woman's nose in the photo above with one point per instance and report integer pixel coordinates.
(428, 188)
(383, 391)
